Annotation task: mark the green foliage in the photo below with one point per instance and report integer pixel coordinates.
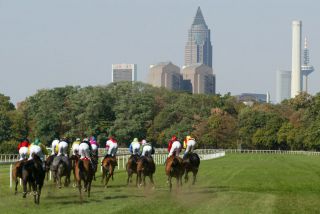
(127, 110)
(9, 147)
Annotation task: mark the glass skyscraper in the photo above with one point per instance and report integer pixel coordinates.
(198, 48)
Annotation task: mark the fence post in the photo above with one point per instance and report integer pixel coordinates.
(123, 162)
(10, 175)
(118, 162)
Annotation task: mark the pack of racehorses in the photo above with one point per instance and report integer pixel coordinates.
(32, 172)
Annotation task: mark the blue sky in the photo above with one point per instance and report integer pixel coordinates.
(46, 44)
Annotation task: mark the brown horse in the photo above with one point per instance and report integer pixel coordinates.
(17, 173)
(73, 168)
(108, 165)
(131, 168)
(174, 168)
(191, 163)
(145, 167)
(33, 174)
(83, 172)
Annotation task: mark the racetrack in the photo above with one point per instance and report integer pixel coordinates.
(237, 183)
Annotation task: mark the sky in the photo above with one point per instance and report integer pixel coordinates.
(47, 44)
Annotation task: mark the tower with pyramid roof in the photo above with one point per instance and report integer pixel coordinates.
(198, 48)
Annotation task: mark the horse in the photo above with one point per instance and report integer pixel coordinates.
(34, 174)
(73, 167)
(17, 173)
(95, 160)
(145, 167)
(48, 163)
(61, 167)
(108, 165)
(83, 172)
(131, 168)
(174, 168)
(191, 163)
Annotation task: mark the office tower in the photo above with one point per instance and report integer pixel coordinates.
(198, 79)
(124, 72)
(283, 90)
(306, 69)
(296, 59)
(165, 74)
(198, 48)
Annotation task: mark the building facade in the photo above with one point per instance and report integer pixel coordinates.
(283, 81)
(198, 48)
(124, 72)
(198, 79)
(165, 74)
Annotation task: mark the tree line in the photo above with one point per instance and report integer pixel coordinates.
(127, 110)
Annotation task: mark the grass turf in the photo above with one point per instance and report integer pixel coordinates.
(237, 183)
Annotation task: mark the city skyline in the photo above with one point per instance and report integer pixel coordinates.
(40, 49)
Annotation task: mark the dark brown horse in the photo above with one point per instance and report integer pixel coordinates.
(95, 160)
(83, 172)
(73, 168)
(191, 163)
(174, 168)
(145, 167)
(108, 165)
(48, 163)
(33, 174)
(131, 168)
(17, 173)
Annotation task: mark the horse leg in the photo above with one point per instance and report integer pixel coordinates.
(34, 189)
(186, 178)
(128, 179)
(195, 172)
(151, 180)
(107, 180)
(24, 182)
(103, 174)
(16, 187)
(144, 179)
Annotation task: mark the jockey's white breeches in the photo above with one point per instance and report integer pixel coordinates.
(190, 146)
(146, 150)
(112, 150)
(176, 147)
(135, 148)
(75, 149)
(84, 150)
(62, 148)
(23, 152)
(35, 149)
(53, 146)
(94, 147)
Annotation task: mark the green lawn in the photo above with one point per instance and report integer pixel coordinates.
(237, 183)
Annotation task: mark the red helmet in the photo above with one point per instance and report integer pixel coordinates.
(173, 138)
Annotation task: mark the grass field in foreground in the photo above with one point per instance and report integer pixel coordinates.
(237, 183)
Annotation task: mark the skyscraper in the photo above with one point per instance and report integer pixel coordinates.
(124, 72)
(198, 79)
(165, 74)
(198, 48)
(283, 85)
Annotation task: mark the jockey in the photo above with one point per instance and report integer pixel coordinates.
(134, 147)
(84, 149)
(63, 147)
(147, 149)
(75, 147)
(23, 149)
(111, 147)
(174, 146)
(94, 145)
(54, 146)
(37, 148)
(189, 143)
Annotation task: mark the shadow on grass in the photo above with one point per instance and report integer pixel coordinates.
(122, 196)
